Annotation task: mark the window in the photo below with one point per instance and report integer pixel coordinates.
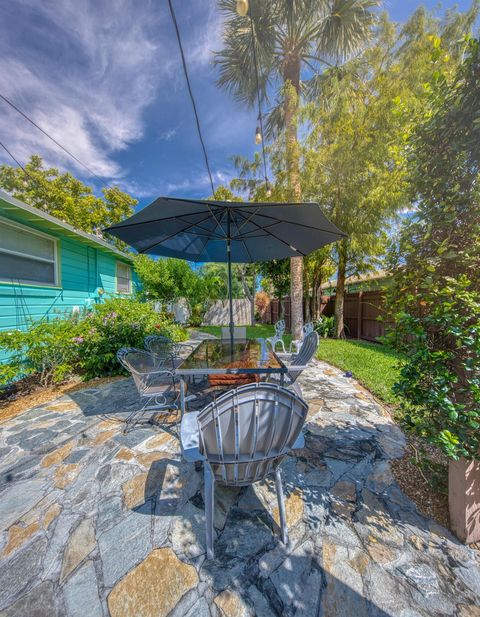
(124, 278)
(27, 256)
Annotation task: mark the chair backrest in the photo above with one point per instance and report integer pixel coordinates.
(246, 433)
(280, 327)
(307, 328)
(161, 346)
(305, 354)
(139, 363)
(239, 332)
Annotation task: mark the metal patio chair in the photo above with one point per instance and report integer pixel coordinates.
(155, 383)
(297, 343)
(243, 437)
(298, 362)
(168, 352)
(278, 338)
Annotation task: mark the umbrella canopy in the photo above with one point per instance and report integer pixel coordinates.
(226, 231)
(200, 230)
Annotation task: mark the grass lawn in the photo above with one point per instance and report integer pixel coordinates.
(374, 366)
(257, 331)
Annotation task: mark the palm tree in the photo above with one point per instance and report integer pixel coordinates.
(295, 41)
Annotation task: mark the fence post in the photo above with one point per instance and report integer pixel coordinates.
(359, 315)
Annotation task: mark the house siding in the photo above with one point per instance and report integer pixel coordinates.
(82, 270)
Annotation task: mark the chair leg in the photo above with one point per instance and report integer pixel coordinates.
(209, 507)
(281, 505)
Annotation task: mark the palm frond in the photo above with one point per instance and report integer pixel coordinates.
(346, 28)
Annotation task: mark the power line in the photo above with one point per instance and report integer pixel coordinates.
(185, 70)
(84, 165)
(34, 180)
(260, 118)
(22, 113)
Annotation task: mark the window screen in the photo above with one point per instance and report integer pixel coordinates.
(26, 257)
(124, 276)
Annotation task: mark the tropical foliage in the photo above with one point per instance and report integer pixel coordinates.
(64, 196)
(436, 264)
(291, 38)
(85, 345)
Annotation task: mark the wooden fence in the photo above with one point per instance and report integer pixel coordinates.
(361, 313)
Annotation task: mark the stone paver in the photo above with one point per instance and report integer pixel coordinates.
(94, 522)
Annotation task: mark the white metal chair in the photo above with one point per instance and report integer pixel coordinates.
(239, 333)
(297, 343)
(156, 384)
(242, 437)
(278, 337)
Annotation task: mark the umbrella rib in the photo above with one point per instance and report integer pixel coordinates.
(172, 235)
(248, 220)
(205, 203)
(205, 244)
(273, 218)
(243, 241)
(162, 219)
(277, 238)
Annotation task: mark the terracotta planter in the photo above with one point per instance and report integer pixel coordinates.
(464, 499)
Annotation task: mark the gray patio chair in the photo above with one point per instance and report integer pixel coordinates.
(278, 338)
(156, 384)
(299, 361)
(168, 352)
(297, 343)
(243, 437)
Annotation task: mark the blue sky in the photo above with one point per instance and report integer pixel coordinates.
(104, 78)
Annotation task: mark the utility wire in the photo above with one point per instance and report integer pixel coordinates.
(22, 113)
(75, 158)
(34, 180)
(260, 118)
(185, 70)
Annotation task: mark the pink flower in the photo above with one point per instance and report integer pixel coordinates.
(78, 339)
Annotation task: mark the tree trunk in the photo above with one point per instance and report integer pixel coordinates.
(252, 304)
(340, 293)
(291, 78)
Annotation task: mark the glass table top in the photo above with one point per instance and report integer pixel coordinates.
(246, 356)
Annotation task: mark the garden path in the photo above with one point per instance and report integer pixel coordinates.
(97, 523)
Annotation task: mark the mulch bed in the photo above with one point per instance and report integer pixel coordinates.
(416, 483)
(28, 393)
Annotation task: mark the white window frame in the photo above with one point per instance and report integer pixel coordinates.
(122, 263)
(33, 232)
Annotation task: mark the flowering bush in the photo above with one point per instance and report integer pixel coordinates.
(119, 323)
(85, 345)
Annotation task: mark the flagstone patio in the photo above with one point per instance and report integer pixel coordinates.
(97, 523)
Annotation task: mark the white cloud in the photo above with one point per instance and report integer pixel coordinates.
(85, 72)
(199, 182)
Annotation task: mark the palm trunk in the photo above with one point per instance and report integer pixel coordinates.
(340, 293)
(291, 77)
(252, 304)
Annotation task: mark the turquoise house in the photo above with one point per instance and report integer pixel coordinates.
(48, 269)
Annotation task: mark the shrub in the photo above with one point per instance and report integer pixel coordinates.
(435, 296)
(86, 345)
(119, 323)
(325, 326)
(48, 349)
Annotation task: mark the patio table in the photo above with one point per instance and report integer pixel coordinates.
(217, 357)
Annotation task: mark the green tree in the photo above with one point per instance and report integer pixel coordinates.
(64, 196)
(435, 298)
(355, 153)
(293, 38)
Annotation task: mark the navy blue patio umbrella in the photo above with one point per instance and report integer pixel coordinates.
(226, 231)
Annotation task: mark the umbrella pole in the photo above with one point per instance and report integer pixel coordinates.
(229, 262)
